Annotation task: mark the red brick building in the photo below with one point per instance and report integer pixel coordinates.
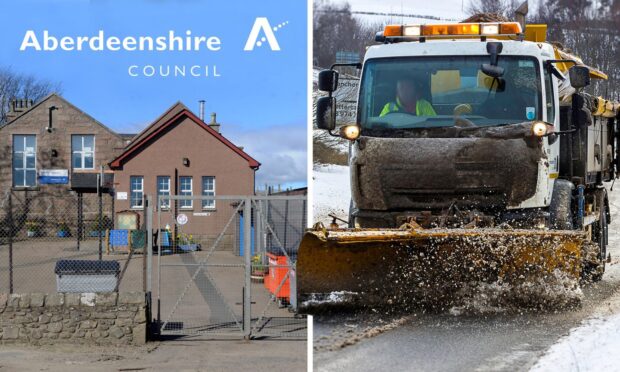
(181, 154)
(52, 136)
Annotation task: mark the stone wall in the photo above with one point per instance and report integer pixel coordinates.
(102, 318)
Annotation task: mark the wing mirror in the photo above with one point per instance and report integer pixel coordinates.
(328, 80)
(492, 69)
(579, 77)
(326, 113)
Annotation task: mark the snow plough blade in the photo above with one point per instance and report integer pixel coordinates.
(431, 264)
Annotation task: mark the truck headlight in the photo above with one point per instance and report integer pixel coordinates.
(350, 132)
(539, 128)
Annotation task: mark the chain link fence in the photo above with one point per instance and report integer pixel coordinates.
(66, 243)
(226, 265)
(200, 274)
(223, 265)
(279, 222)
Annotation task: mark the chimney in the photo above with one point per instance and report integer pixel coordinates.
(18, 107)
(202, 109)
(214, 124)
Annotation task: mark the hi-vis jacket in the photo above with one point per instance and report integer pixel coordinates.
(422, 108)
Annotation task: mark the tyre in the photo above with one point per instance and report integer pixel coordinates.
(560, 209)
(600, 235)
(602, 231)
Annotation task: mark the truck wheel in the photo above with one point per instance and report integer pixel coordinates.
(560, 209)
(600, 231)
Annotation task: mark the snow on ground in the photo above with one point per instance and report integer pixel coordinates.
(332, 193)
(592, 347)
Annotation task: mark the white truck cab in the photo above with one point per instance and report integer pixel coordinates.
(477, 124)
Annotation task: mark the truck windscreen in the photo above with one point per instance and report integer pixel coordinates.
(426, 92)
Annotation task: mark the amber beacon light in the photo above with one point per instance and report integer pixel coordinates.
(453, 29)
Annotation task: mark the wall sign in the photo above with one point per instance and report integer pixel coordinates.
(121, 195)
(182, 219)
(53, 176)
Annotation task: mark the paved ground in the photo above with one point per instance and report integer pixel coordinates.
(185, 355)
(367, 341)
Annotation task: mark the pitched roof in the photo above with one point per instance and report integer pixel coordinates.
(162, 119)
(31, 108)
(175, 114)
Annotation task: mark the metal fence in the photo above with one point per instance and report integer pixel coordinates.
(218, 266)
(52, 243)
(226, 265)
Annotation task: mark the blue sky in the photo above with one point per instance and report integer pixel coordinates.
(260, 97)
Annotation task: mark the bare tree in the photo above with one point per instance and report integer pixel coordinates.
(21, 86)
(590, 30)
(336, 29)
(587, 28)
(503, 8)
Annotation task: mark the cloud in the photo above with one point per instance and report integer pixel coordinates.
(281, 150)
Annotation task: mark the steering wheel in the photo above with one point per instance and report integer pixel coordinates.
(462, 108)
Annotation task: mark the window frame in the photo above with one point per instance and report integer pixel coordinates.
(24, 155)
(549, 97)
(208, 204)
(186, 203)
(132, 191)
(82, 152)
(161, 192)
(364, 105)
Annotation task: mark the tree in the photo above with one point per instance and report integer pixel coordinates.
(21, 86)
(504, 8)
(590, 30)
(587, 28)
(336, 29)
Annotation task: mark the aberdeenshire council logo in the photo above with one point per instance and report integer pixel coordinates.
(262, 34)
(262, 25)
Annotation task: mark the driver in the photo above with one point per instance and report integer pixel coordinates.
(409, 100)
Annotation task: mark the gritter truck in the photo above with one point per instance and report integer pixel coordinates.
(476, 156)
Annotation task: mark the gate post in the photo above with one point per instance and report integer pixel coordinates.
(258, 229)
(247, 254)
(149, 242)
(11, 232)
(159, 238)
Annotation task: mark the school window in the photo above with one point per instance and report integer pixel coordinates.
(83, 151)
(208, 189)
(163, 188)
(137, 191)
(185, 188)
(24, 160)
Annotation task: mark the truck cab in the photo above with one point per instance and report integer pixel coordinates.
(476, 125)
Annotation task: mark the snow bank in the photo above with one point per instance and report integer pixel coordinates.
(332, 193)
(592, 347)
